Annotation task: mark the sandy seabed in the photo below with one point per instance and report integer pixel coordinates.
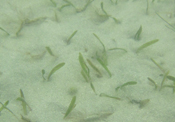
(133, 80)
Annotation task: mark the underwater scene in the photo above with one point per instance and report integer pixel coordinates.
(87, 61)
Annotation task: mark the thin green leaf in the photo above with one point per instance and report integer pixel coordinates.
(94, 67)
(173, 29)
(21, 93)
(152, 81)
(84, 76)
(169, 86)
(104, 10)
(84, 66)
(93, 88)
(137, 35)
(4, 107)
(105, 95)
(86, 5)
(33, 21)
(60, 9)
(104, 49)
(20, 28)
(172, 78)
(157, 65)
(25, 104)
(170, 25)
(104, 56)
(57, 67)
(126, 84)
(104, 66)
(4, 31)
(164, 78)
(70, 4)
(118, 49)
(43, 72)
(146, 45)
(49, 51)
(116, 20)
(71, 106)
(71, 36)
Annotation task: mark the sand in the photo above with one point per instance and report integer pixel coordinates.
(28, 27)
